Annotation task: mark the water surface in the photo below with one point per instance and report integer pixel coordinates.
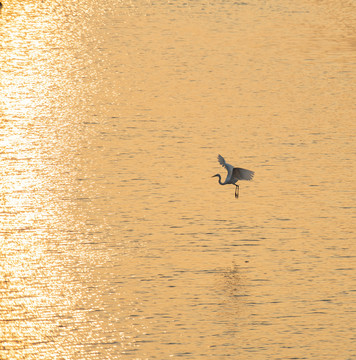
(116, 243)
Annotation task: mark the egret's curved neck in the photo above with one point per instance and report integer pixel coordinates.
(221, 183)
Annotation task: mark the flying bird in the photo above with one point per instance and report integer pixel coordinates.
(234, 174)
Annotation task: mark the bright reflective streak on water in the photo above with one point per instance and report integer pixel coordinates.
(115, 240)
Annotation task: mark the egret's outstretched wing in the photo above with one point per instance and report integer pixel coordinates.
(222, 162)
(242, 174)
(227, 166)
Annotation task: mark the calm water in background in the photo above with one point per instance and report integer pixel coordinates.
(116, 243)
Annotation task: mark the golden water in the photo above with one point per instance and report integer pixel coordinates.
(115, 241)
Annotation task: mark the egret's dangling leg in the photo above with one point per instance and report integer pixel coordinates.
(237, 191)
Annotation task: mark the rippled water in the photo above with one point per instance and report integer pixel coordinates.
(116, 243)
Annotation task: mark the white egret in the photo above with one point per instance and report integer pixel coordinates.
(233, 175)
